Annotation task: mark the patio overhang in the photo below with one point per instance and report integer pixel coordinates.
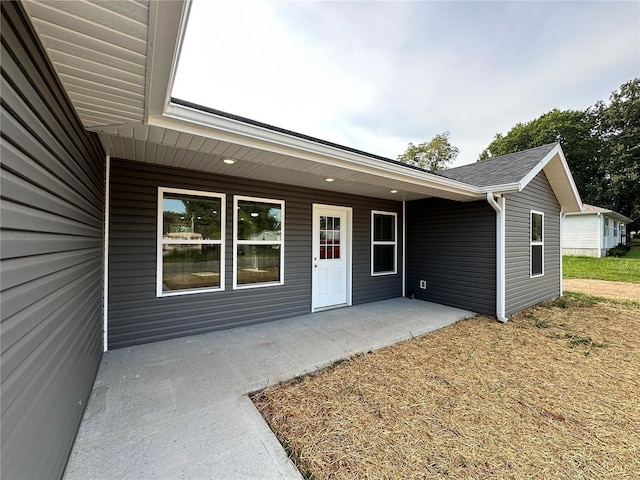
(195, 138)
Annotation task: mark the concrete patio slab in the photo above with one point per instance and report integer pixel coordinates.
(179, 408)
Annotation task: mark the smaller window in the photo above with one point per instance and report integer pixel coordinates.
(615, 229)
(384, 243)
(258, 258)
(537, 244)
(605, 228)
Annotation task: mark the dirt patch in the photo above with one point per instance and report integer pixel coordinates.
(603, 288)
(551, 394)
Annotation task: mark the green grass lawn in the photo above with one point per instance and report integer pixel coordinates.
(623, 269)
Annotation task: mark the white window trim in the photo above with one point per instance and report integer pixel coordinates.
(237, 242)
(160, 241)
(394, 243)
(532, 243)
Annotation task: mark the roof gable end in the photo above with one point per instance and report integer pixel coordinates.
(513, 172)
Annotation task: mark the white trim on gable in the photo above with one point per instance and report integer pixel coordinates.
(555, 167)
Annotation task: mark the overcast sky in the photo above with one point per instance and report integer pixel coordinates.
(378, 75)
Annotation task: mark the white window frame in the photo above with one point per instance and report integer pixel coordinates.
(160, 242)
(236, 242)
(536, 243)
(374, 243)
(605, 227)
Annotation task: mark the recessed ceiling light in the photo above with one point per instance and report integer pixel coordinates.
(229, 161)
(394, 191)
(328, 179)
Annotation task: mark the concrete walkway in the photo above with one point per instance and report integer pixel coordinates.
(179, 408)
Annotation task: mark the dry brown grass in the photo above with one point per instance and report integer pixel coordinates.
(604, 288)
(553, 394)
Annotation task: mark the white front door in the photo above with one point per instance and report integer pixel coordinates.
(331, 262)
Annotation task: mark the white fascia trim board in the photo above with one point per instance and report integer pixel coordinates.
(610, 213)
(167, 25)
(499, 207)
(571, 214)
(617, 216)
(203, 124)
(501, 189)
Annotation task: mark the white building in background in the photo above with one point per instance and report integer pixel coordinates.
(593, 231)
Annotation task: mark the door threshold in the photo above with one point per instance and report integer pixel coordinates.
(330, 307)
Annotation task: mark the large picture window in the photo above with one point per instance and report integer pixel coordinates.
(537, 244)
(258, 258)
(384, 243)
(190, 241)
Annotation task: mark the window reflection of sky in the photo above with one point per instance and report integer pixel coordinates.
(275, 212)
(172, 205)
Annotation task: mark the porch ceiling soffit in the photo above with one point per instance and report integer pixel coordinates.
(195, 147)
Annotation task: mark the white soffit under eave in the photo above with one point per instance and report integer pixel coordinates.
(99, 51)
(561, 181)
(154, 145)
(200, 123)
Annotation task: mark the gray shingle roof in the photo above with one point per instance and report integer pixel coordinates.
(499, 170)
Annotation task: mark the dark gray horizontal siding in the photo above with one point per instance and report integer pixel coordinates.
(452, 246)
(136, 315)
(52, 190)
(522, 291)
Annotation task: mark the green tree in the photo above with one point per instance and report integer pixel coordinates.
(601, 144)
(619, 127)
(433, 155)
